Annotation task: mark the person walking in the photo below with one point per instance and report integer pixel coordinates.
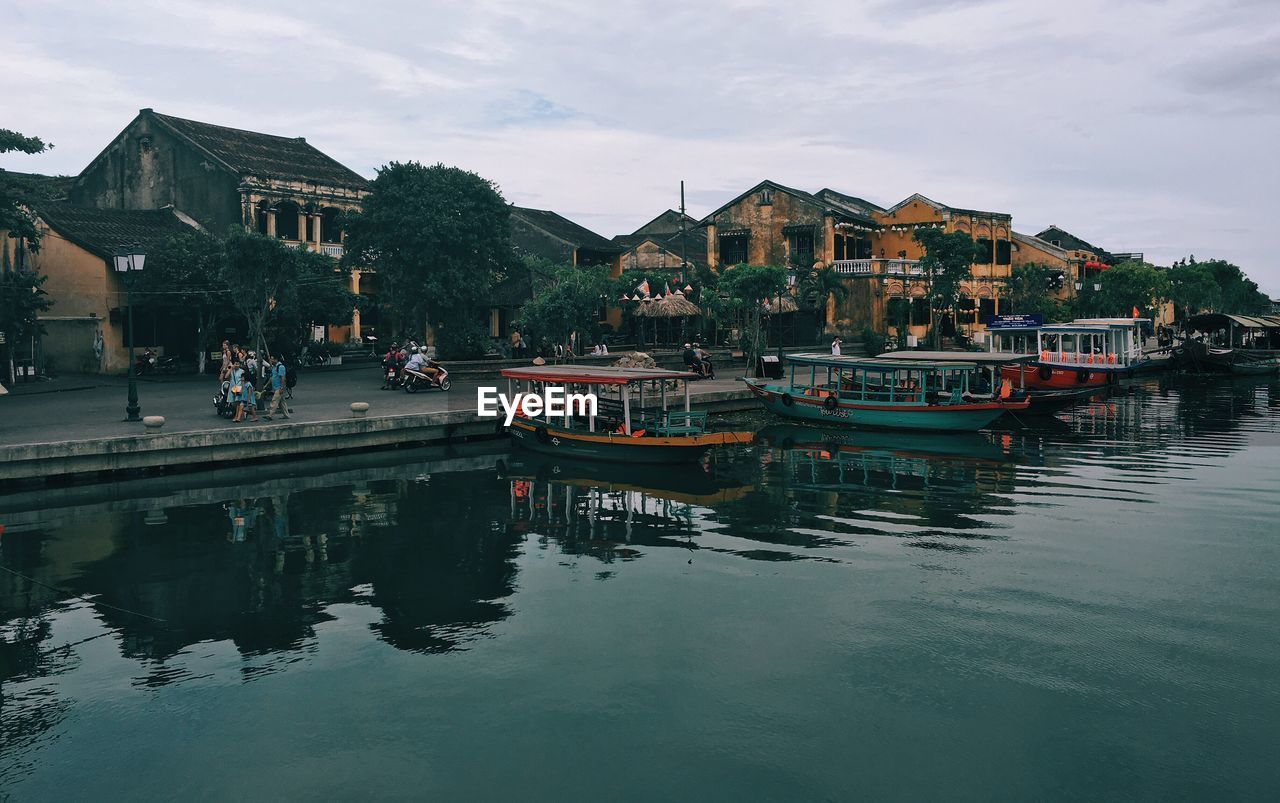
(242, 395)
(278, 386)
(224, 370)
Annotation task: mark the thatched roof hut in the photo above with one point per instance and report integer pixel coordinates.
(672, 306)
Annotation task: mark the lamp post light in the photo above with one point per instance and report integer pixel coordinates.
(127, 261)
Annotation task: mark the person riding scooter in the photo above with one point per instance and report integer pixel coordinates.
(704, 361)
(391, 368)
(421, 369)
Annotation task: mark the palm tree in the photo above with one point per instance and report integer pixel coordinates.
(816, 286)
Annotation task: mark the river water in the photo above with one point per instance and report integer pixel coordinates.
(1084, 608)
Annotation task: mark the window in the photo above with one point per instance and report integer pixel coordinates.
(1003, 252)
(986, 308)
(801, 243)
(733, 249)
(919, 312)
(983, 255)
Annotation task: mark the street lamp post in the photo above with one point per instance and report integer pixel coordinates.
(126, 262)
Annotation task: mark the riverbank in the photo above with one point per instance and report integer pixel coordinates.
(82, 435)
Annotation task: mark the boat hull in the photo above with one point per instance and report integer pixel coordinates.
(542, 438)
(931, 418)
(1046, 376)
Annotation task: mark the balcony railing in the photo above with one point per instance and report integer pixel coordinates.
(868, 267)
(334, 250)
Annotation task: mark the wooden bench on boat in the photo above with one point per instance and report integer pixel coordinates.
(680, 423)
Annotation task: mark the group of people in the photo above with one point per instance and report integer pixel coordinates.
(245, 373)
(409, 357)
(698, 360)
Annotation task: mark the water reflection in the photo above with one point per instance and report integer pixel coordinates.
(431, 549)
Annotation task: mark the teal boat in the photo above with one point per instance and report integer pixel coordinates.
(890, 393)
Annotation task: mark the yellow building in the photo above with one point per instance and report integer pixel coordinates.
(85, 329)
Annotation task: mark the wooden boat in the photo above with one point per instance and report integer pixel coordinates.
(888, 392)
(621, 430)
(1090, 352)
(1201, 357)
(1042, 401)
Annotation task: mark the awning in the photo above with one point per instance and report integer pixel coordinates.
(1213, 321)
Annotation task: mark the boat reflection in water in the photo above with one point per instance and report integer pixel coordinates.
(607, 509)
(937, 490)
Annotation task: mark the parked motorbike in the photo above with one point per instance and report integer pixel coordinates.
(150, 363)
(414, 381)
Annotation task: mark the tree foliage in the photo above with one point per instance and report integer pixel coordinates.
(566, 299)
(1029, 291)
(1238, 294)
(1131, 285)
(945, 264)
(183, 279)
(22, 299)
(18, 196)
(1193, 288)
(269, 283)
(437, 236)
(744, 289)
(816, 286)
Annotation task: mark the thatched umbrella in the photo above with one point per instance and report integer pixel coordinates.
(671, 306)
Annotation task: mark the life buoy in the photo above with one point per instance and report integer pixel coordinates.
(541, 434)
(831, 403)
(1046, 372)
(1082, 376)
(787, 401)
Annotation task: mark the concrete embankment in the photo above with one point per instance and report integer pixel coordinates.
(211, 448)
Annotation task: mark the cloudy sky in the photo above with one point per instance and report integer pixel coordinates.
(1139, 126)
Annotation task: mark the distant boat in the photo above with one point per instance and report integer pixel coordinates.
(1200, 356)
(923, 392)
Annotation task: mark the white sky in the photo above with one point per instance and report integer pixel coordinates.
(1139, 126)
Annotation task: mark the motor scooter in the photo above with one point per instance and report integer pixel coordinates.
(222, 406)
(414, 381)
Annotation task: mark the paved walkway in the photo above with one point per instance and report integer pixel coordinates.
(82, 407)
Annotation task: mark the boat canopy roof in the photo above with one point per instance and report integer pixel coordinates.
(977, 357)
(1092, 328)
(1113, 321)
(883, 361)
(593, 375)
(1213, 321)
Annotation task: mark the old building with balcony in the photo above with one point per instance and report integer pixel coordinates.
(873, 247)
(222, 177)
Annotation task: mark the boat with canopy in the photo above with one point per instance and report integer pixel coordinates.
(642, 415)
(1088, 352)
(993, 366)
(920, 392)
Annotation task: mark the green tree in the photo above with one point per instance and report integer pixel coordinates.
(566, 299)
(269, 283)
(1239, 293)
(945, 264)
(21, 301)
(19, 197)
(744, 290)
(319, 294)
(183, 278)
(1030, 291)
(1193, 288)
(816, 286)
(1129, 285)
(438, 237)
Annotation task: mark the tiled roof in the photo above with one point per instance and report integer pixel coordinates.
(104, 231)
(564, 229)
(251, 153)
(666, 223)
(51, 188)
(695, 243)
(860, 205)
(841, 210)
(1069, 241)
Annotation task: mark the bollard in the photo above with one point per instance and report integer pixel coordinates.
(359, 409)
(152, 423)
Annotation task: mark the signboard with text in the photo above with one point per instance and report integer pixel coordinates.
(1014, 321)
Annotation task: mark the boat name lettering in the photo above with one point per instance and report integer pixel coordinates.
(553, 402)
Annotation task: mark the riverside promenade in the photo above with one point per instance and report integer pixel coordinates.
(74, 425)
